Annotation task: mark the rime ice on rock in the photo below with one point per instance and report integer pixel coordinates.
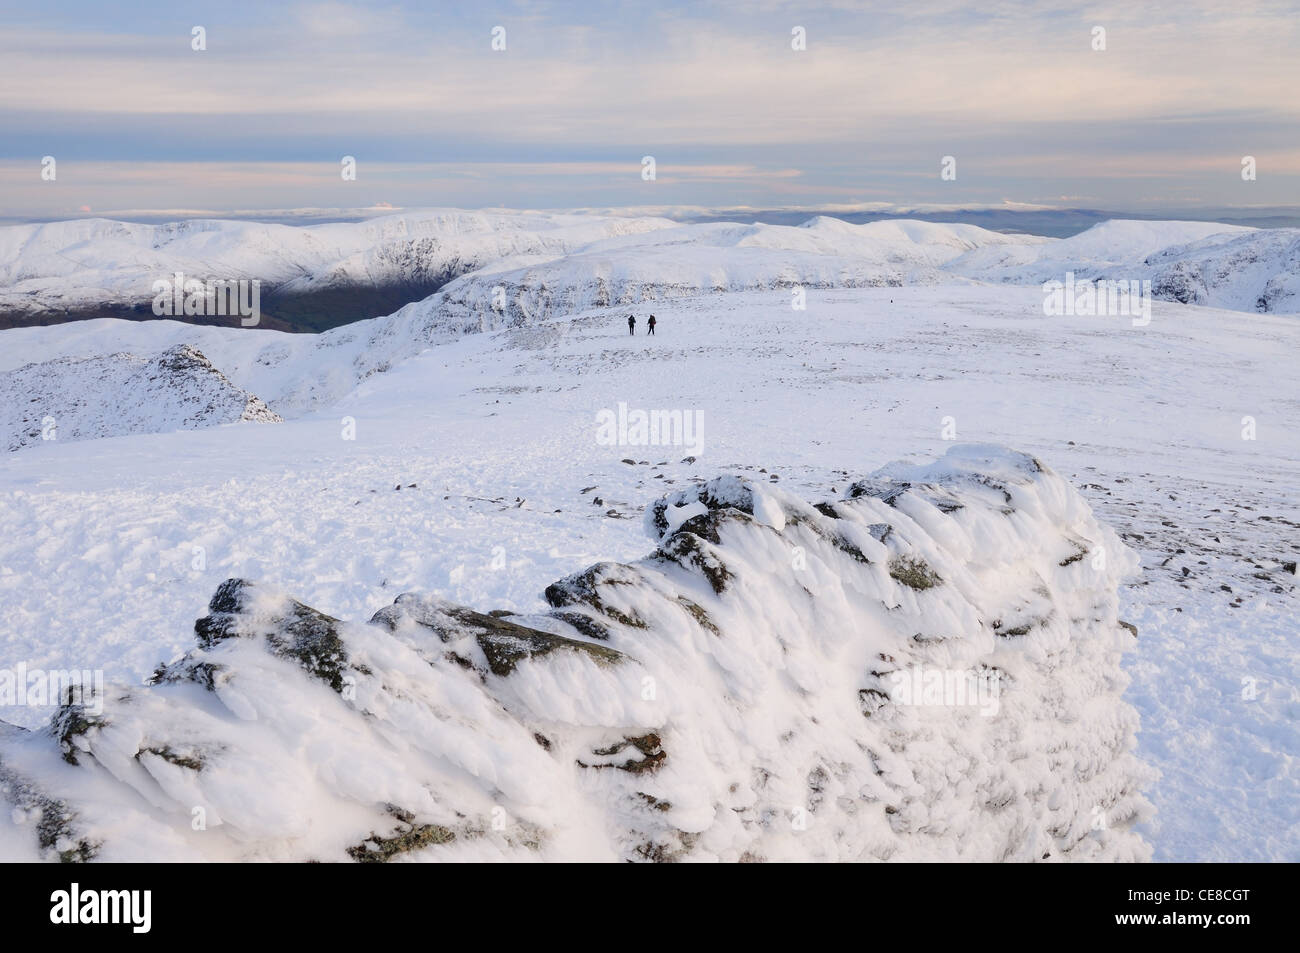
(776, 681)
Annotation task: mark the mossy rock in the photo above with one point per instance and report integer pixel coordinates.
(722, 495)
(690, 551)
(890, 491)
(585, 624)
(69, 722)
(705, 526)
(504, 643)
(650, 746)
(844, 545)
(293, 630)
(584, 589)
(172, 757)
(697, 613)
(887, 490)
(187, 669)
(54, 827)
(379, 850)
(913, 572)
(505, 649)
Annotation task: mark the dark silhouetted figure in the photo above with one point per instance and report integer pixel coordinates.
(631, 324)
(650, 325)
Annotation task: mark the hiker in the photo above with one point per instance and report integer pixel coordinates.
(631, 324)
(650, 325)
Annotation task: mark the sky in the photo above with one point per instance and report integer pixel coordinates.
(135, 118)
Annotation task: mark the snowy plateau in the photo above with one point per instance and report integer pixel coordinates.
(385, 592)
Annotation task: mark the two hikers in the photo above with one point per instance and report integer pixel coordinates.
(631, 324)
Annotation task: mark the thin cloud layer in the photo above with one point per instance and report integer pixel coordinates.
(1016, 93)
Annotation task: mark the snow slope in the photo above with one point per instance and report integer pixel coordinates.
(1223, 266)
(85, 398)
(1263, 264)
(743, 693)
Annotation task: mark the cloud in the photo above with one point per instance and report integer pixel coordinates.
(714, 91)
(714, 77)
(345, 20)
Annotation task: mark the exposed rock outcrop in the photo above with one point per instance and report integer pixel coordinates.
(921, 670)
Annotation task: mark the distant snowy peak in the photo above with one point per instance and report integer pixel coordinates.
(1205, 263)
(706, 258)
(1254, 271)
(82, 399)
(906, 232)
(97, 267)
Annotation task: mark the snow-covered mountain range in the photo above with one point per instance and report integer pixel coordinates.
(523, 269)
(86, 268)
(638, 270)
(469, 270)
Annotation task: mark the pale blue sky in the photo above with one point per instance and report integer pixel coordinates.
(136, 119)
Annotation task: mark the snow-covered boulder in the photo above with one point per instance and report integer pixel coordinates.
(927, 668)
(85, 398)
